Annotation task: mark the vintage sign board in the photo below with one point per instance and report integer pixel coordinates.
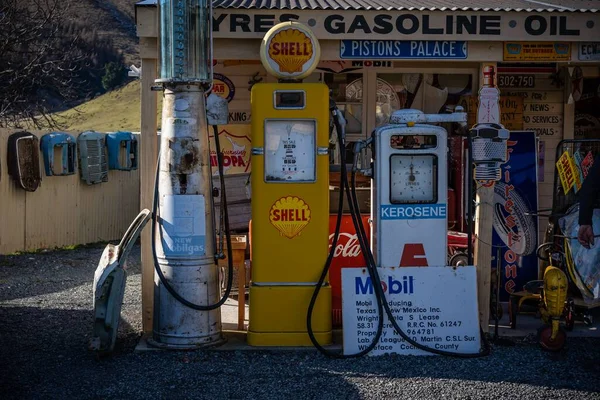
(419, 298)
(236, 148)
(223, 87)
(290, 50)
(402, 49)
(512, 81)
(412, 24)
(537, 51)
(589, 51)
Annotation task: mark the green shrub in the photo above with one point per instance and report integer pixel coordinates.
(114, 75)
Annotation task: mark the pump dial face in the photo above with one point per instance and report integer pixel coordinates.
(413, 178)
(290, 150)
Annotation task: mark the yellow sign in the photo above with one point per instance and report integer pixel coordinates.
(566, 171)
(289, 215)
(235, 146)
(290, 51)
(537, 51)
(511, 111)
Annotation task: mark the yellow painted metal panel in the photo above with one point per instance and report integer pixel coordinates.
(289, 220)
(278, 316)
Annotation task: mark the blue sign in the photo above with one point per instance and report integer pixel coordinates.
(421, 211)
(515, 231)
(402, 49)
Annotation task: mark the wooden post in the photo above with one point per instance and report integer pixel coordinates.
(483, 251)
(148, 158)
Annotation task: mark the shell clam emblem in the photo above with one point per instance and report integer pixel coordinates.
(290, 49)
(289, 215)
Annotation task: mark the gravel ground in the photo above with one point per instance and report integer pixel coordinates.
(46, 319)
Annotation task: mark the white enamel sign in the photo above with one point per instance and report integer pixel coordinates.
(436, 307)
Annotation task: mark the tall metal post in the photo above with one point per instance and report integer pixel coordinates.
(184, 241)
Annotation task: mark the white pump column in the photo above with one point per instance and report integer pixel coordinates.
(184, 239)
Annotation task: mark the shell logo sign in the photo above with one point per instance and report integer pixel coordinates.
(290, 51)
(289, 215)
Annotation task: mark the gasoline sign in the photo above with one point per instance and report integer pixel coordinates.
(290, 51)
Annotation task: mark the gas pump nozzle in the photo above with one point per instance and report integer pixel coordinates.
(359, 155)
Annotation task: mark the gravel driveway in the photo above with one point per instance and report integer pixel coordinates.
(46, 320)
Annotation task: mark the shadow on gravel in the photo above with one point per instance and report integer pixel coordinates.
(35, 341)
(576, 367)
(35, 274)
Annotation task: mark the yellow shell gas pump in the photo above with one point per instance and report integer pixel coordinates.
(290, 193)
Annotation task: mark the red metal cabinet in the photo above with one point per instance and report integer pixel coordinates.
(347, 255)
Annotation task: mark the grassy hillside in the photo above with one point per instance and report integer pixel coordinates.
(112, 111)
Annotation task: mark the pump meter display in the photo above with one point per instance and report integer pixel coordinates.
(290, 150)
(413, 178)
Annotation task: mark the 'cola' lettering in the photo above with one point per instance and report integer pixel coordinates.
(350, 249)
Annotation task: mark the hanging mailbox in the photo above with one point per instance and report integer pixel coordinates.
(92, 157)
(24, 160)
(122, 151)
(59, 152)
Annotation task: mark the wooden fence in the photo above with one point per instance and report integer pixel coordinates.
(64, 210)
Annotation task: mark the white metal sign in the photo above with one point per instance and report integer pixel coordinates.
(290, 150)
(589, 51)
(436, 307)
(184, 226)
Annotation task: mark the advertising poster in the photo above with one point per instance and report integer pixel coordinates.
(235, 145)
(515, 229)
(587, 110)
(537, 51)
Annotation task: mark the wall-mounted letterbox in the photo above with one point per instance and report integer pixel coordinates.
(92, 157)
(122, 151)
(59, 152)
(23, 157)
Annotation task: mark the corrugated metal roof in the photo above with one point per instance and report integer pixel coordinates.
(409, 5)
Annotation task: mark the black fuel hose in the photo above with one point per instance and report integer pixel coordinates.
(155, 219)
(315, 295)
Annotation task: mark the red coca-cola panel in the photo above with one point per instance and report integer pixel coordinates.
(347, 255)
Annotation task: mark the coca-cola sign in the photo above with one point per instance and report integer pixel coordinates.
(347, 245)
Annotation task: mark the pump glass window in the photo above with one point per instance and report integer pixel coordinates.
(290, 150)
(413, 178)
